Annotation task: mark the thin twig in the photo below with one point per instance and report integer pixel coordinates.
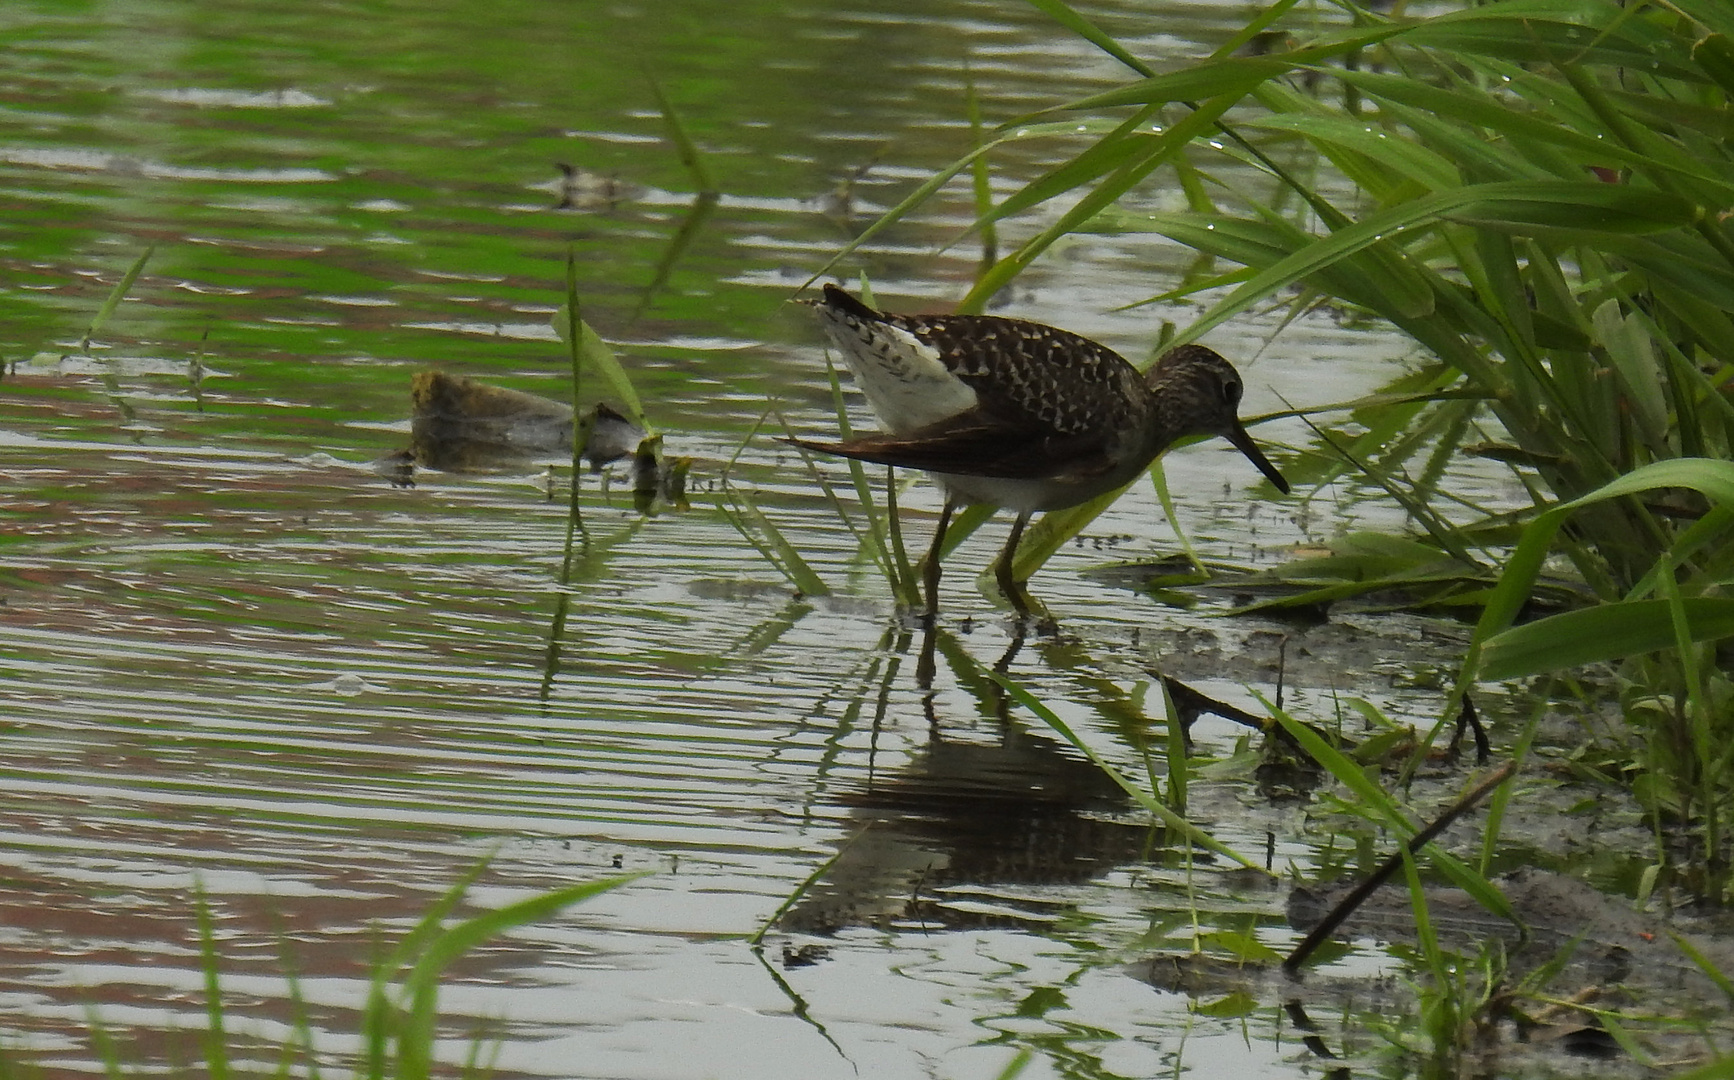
(1346, 907)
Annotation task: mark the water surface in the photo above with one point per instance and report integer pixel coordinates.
(236, 658)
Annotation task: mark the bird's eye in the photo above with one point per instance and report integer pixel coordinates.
(1231, 391)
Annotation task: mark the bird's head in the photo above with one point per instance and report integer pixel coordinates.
(1197, 392)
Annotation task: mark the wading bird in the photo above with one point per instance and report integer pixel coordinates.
(1020, 415)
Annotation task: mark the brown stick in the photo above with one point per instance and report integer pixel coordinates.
(1346, 907)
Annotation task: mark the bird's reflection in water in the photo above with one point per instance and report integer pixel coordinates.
(968, 815)
(926, 666)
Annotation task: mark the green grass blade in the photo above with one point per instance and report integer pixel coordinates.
(460, 939)
(806, 883)
(1724, 982)
(300, 1025)
(1016, 1066)
(1378, 803)
(379, 1021)
(1713, 479)
(1120, 147)
(1714, 56)
(736, 518)
(1713, 14)
(1170, 514)
(1260, 22)
(428, 926)
(421, 985)
(1629, 345)
(115, 296)
(1342, 135)
(872, 539)
(903, 572)
(683, 144)
(594, 354)
(1425, 936)
(1084, 28)
(216, 1039)
(1520, 206)
(1492, 31)
(782, 554)
(1232, 77)
(1603, 633)
(100, 1042)
(1154, 153)
(703, 206)
(1500, 801)
(980, 179)
(1522, 128)
(896, 213)
(583, 421)
(882, 525)
(1051, 533)
(1720, 1069)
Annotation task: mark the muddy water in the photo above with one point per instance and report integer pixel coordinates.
(236, 659)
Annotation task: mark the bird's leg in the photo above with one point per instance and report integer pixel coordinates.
(930, 568)
(1013, 589)
(925, 667)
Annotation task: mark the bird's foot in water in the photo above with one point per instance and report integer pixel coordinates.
(1027, 610)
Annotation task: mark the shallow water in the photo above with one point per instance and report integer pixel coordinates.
(238, 660)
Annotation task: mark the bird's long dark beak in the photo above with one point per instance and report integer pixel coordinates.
(1243, 442)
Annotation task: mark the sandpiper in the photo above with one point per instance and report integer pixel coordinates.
(1020, 415)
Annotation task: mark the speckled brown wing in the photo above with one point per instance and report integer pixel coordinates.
(1034, 377)
(975, 444)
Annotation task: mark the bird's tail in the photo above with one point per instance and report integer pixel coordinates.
(838, 300)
